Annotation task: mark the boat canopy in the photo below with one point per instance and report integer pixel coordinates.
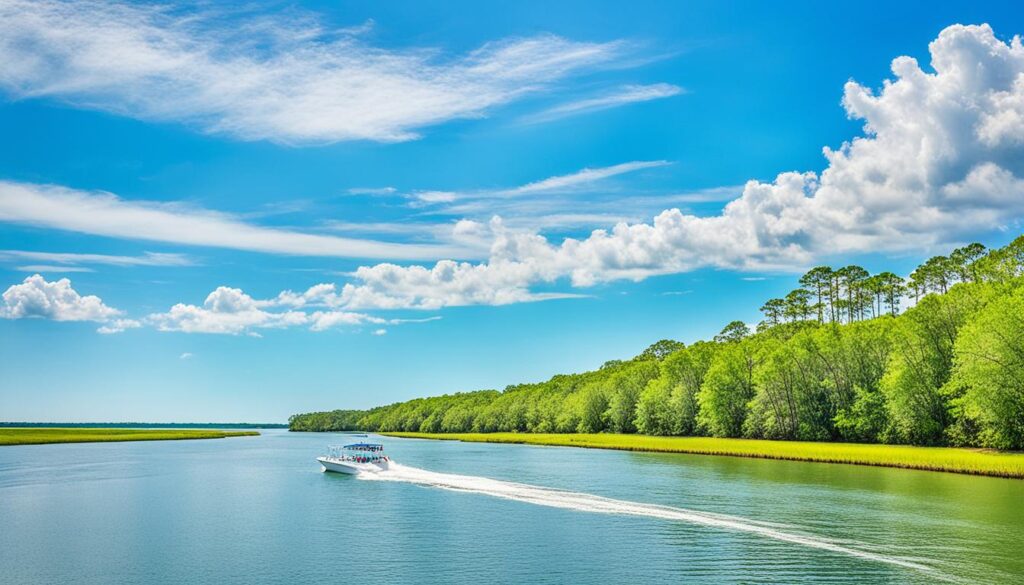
(373, 447)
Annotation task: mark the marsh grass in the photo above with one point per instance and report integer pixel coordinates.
(38, 436)
(969, 461)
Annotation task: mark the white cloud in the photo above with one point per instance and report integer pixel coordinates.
(70, 258)
(621, 96)
(280, 77)
(51, 268)
(585, 176)
(185, 356)
(604, 207)
(119, 326)
(104, 214)
(372, 191)
(941, 159)
(231, 311)
(379, 332)
(225, 310)
(555, 184)
(435, 196)
(37, 297)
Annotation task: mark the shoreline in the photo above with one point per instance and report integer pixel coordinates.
(942, 459)
(11, 436)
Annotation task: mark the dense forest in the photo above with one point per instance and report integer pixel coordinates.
(835, 360)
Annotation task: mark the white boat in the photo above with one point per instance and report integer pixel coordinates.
(355, 458)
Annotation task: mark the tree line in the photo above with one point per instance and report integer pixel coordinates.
(834, 360)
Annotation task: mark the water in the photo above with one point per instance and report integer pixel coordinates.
(258, 510)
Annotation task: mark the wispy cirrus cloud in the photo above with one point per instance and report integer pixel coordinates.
(52, 268)
(284, 77)
(583, 177)
(375, 191)
(69, 260)
(555, 184)
(621, 96)
(104, 214)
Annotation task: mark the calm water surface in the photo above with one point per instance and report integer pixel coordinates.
(258, 510)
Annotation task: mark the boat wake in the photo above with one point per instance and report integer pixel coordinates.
(583, 502)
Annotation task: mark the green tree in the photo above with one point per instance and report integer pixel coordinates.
(852, 279)
(592, 413)
(727, 388)
(921, 363)
(798, 305)
(963, 261)
(626, 386)
(773, 310)
(659, 350)
(733, 332)
(989, 364)
(892, 290)
(653, 411)
(819, 280)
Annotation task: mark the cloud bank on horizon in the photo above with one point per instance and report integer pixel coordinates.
(941, 159)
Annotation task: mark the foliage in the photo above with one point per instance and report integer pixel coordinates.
(833, 360)
(989, 364)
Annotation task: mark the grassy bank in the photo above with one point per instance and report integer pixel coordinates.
(970, 461)
(38, 436)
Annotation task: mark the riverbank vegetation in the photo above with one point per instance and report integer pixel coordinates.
(39, 436)
(950, 459)
(835, 360)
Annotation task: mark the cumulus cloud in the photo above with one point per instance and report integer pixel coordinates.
(941, 158)
(119, 326)
(225, 310)
(57, 300)
(231, 311)
(621, 96)
(284, 78)
(104, 214)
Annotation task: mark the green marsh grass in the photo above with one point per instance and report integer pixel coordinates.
(42, 435)
(969, 461)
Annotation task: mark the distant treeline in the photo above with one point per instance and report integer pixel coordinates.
(134, 425)
(835, 360)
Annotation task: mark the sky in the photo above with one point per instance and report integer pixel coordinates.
(238, 214)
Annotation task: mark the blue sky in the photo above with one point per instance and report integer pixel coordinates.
(151, 155)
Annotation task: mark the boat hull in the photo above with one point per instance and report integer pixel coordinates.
(351, 467)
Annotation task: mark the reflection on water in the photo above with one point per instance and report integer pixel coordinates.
(259, 510)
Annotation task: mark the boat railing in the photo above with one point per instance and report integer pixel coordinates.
(358, 452)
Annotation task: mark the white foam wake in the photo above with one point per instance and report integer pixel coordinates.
(569, 500)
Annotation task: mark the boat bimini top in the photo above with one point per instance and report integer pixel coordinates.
(371, 447)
